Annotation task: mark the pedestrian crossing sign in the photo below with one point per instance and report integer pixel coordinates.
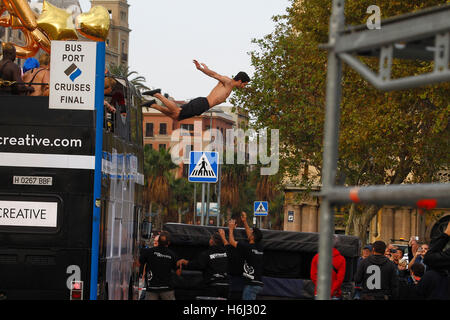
(261, 208)
(203, 166)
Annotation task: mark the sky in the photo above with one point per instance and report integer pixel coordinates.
(168, 34)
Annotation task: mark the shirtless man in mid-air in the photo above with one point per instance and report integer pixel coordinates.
(199, 105)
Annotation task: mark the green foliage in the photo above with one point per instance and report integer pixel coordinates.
(158, 165)
(124, 71)
(384, 137)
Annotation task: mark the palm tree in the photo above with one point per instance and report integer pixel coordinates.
(124, 71)
(267, 189)
(182, 192)
(158, 166)
(233, 177)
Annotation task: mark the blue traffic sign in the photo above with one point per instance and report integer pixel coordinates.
(261, 208)
(203, 166)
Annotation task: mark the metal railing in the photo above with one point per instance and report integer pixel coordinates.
(424, 27)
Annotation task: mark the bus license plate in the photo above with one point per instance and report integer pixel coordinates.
(33, 181)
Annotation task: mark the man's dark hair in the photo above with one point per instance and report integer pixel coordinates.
(379, 247)
(242, 76)
(257, 235)
(164, 239)
(217, 239)
(418, 269)
(9, 51)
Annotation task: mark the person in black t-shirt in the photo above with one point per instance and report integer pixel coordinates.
(214, 264)
(159, 262)
(253, 256)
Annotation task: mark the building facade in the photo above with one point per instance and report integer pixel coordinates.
(391, 223)
(117, 43)
(159, 129)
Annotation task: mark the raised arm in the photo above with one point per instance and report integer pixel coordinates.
(224, 238)
(203, 68)
(231, 227)
(248, 231)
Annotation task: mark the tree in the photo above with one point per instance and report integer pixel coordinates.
(182, 192)
(233, 177)
(157, 169)
(268, 189)
(124, 71)
(385, 138)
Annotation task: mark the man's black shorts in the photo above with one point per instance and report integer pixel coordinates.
(193, 108)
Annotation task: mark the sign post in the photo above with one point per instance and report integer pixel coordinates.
(261, 209)
(77, 82)
(203, 168)
(99, 98)
(73, 75)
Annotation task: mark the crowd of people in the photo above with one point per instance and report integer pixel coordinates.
(33, 79)
(157, 264)
(384, 272)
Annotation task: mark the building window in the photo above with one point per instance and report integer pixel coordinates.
(163, 128)
(187, 127)
(188, 151)
(151, 146)
(162, 146)
(123, 16)
(149, 129)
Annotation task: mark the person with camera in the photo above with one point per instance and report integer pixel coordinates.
(413, 246)
(420, 254)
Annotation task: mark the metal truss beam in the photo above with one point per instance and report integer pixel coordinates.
(399, 30)
(425, 196)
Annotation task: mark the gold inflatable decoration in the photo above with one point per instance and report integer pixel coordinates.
(94, 24)
(53, 24)
(57, 23)
(20, 16)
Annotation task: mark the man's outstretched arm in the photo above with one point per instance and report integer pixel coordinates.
(203, 68)
(224, 238)
(248, 231)
(231, 227)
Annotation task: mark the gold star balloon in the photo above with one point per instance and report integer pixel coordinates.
(56, 23)
(94, 24)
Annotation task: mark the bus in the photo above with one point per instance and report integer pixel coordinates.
(52, 244)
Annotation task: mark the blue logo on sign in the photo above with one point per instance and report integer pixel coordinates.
(73, 72)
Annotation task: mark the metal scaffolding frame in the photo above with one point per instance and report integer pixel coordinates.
(421, 35)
